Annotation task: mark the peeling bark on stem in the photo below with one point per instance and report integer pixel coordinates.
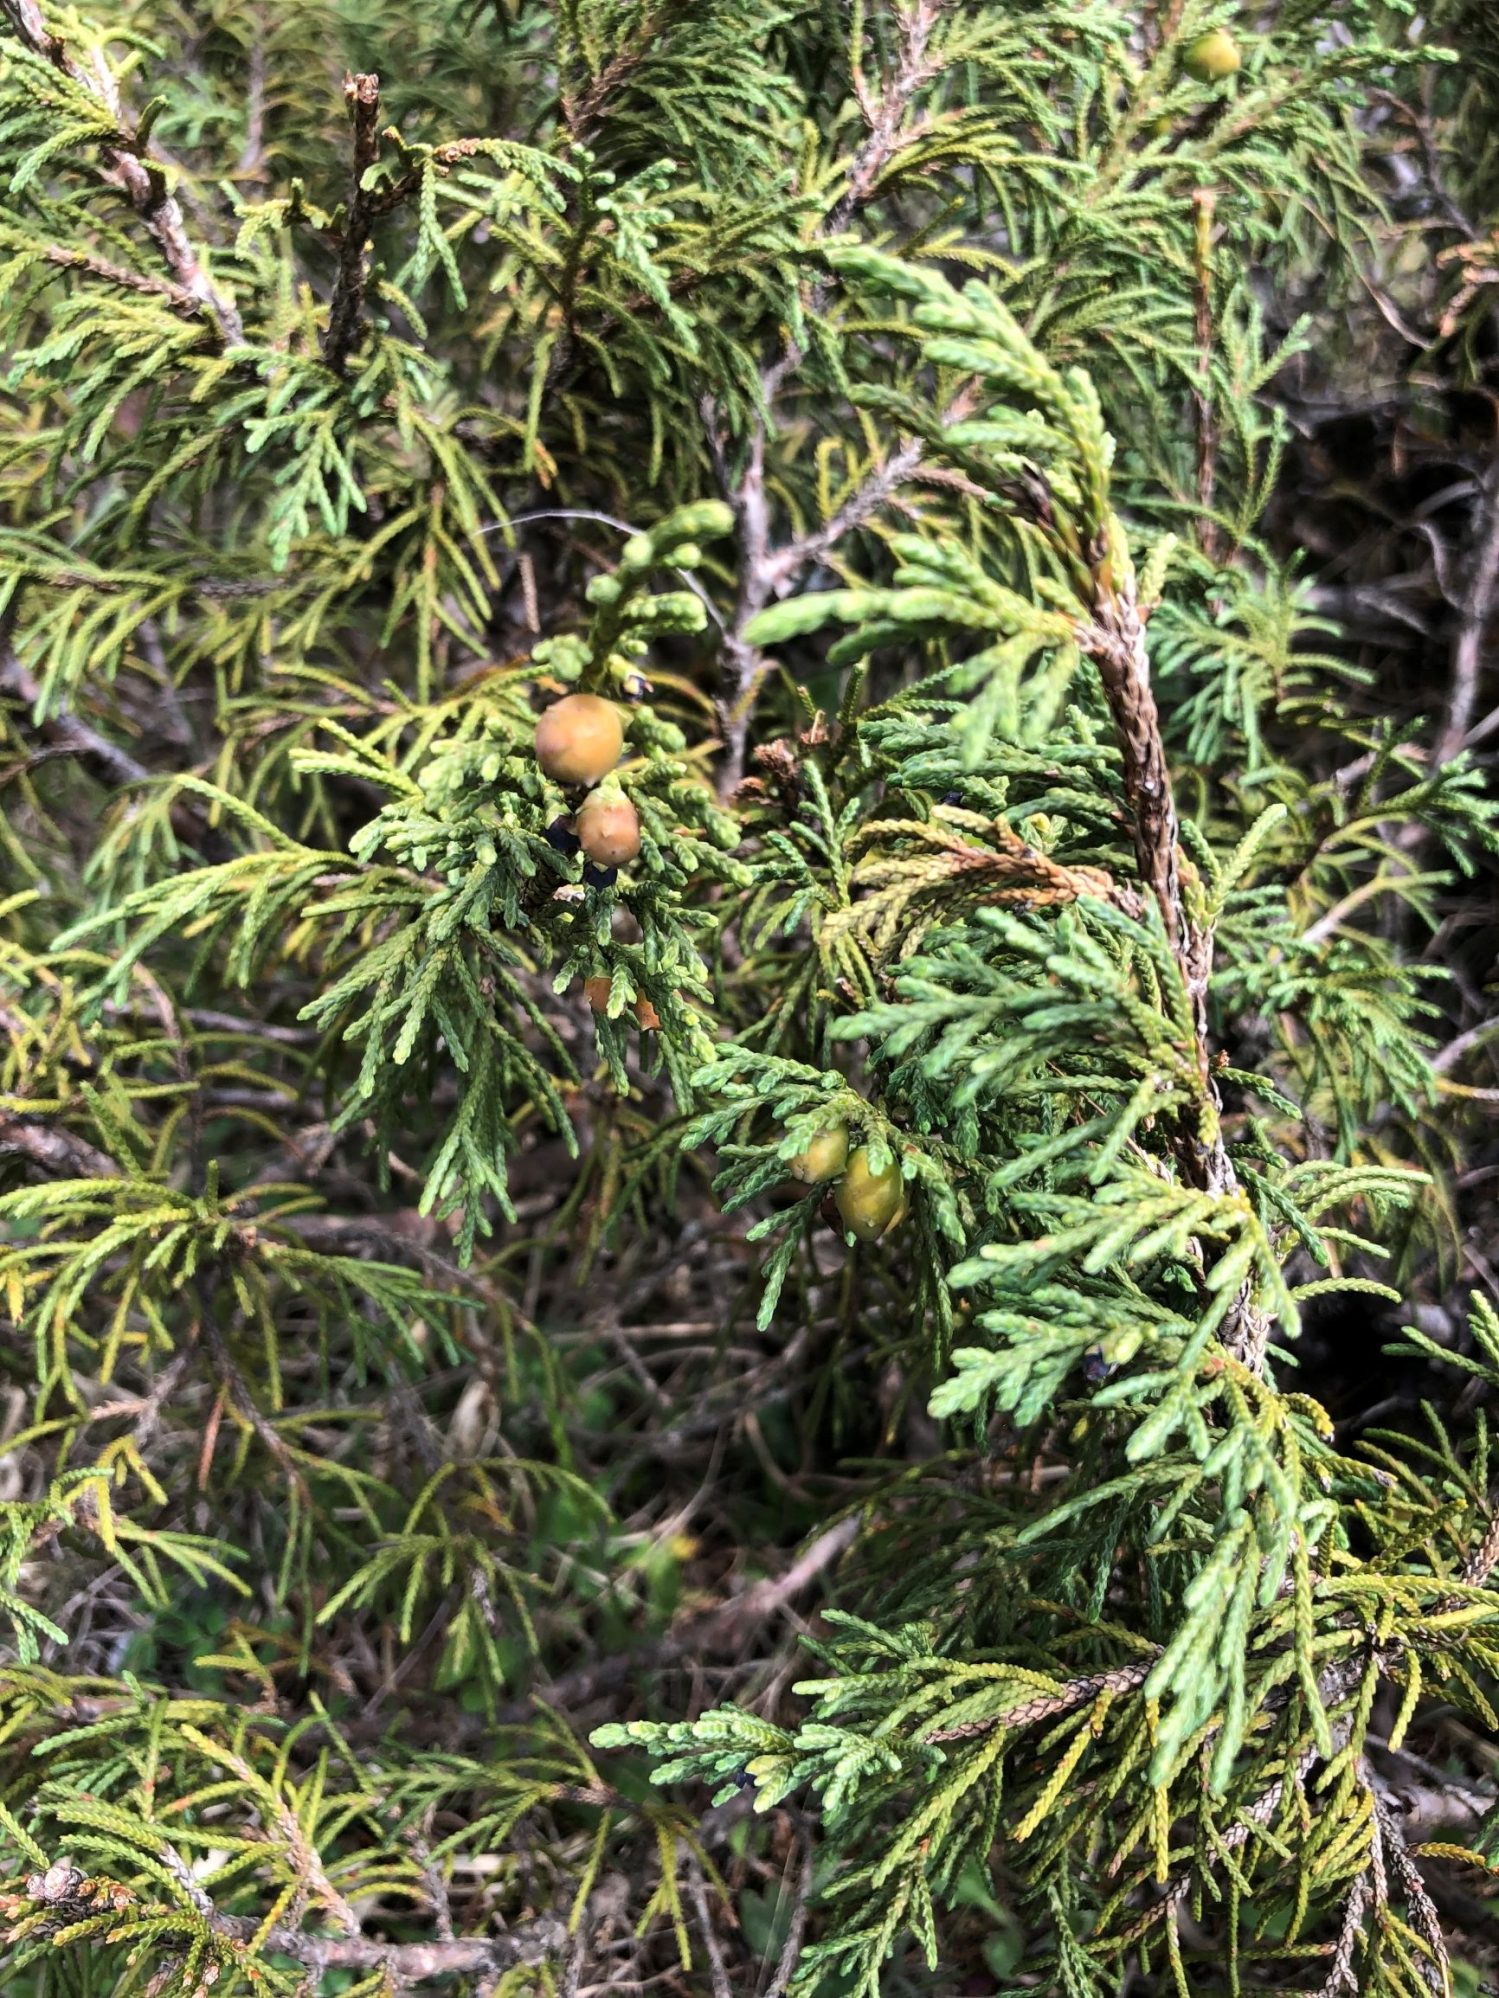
(345, 314)
(531, 1943)
(1116, 643)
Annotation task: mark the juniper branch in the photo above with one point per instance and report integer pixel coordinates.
(54, 1150)
(362, 93)
(1477, 609)
(180, 299)
(765, 571)
(403, 1963)
(130, 167)
(698, 1894)
(101, 757)
(1342, 1976)
(914, 68)
(1116, 642)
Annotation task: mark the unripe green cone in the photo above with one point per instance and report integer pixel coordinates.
(824, 1158)
(871, 1203)
(1212, 56)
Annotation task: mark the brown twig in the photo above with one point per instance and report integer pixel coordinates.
(104, 760)
(742, 663)
(402, 1963)
(130, 167)
(697, 1893)
(156, 287)
(54, 1150)
(1116, 642)
(912, 70)
(1430, 1803)
(1479, 603)
(346, 312)
(580, 114)
(251, 162)
(101, 757)
(791, 1948)
(722, 1629)
(1481, 1563)
(1161, 24)
(1435, 1967)
(235, 1389)
(765, 571)
(1046, 1706)
(876, 491)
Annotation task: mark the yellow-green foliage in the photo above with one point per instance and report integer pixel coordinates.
(871, 401)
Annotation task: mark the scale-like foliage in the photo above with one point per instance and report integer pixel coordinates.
(436, 1260)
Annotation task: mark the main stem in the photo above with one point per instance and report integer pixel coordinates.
(1116, 642)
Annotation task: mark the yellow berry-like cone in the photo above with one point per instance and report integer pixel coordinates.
(609, 830)
(579, 739)
(871, 1203)
(824, 1158)
(1212, 56)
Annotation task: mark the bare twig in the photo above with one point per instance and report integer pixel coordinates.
(698, 1894)
(1116, 643)
(743, 665)
(130, 167)
(1430, 1802)
(791, 1949)
(913, 69)
(346, 311)
(1046, 1706)
(54, 1150)
(156, 287)
(876, 491)
(104, 760)
(401, 1963)
(581, 113)
(765, 571)
(251, 162)
(228, 1378)
(1481, 1563)
(1480, 600)
(723, 1629)
(101, 757)
(1434, 1966)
